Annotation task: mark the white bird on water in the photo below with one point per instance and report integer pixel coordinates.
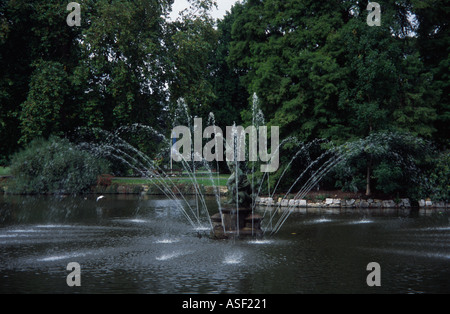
(100, 197)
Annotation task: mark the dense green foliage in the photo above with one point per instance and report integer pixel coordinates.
(319, 70)
(396, 160)
(436, 181)
(54, 166)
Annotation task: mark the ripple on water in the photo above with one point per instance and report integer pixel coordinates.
(51, 226)
(261, 242)
(166, 241)
(170, 256)
(318, 221)
(362, 221)
(60, 257)
(135, 220)
(23, 231)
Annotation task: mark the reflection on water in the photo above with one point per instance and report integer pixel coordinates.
(125, 244)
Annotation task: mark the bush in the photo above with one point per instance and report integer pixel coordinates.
(54, 166)
(395, 161)
(436, 182)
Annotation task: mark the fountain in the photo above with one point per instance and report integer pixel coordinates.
(237, 218)
(146, 244)
(240, 215)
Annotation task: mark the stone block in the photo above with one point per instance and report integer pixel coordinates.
(350, 202)
(405, 202)
(389, 204)
(363, 204)
(302, 203)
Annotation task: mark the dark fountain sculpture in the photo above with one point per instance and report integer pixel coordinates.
(236, 218)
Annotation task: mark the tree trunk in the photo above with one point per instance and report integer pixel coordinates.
(369, 170)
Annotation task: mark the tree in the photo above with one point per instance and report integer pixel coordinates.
(282, 49)
(232, 97)
(122, 71)
(398, 162)
(389, 87)
(192, 41)
(34, 36)
(111, 71)
(322, 72)
(40, 115)
(433, 43)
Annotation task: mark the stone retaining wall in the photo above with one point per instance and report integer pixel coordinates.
(267, 201)
(347, 203)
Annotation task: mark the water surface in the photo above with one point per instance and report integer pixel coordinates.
(128, 244)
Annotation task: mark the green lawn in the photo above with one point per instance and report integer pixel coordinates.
(5, 171)
(200, 180)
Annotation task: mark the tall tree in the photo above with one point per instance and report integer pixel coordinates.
(33, 34)
(110, 71)
(232, 97)
(279, 47)
(122, 72)
(433, 42)
(322, 72)
(192, 40)
(40, 115)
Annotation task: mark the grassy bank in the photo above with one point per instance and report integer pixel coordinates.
(222, 181)
(161, 185)
(5, 171)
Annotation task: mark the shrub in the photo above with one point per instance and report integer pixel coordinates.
(54, 166)
(395, 161)
(436, 182)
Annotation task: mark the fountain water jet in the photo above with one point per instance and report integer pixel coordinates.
(238, 216)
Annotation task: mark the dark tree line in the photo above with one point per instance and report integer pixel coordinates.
(318, 69)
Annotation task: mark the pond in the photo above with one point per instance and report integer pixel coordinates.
(133, 244)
